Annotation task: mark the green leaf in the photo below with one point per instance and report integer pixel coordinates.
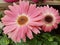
(21, 43)
(0, 31)
(4, 41)
(39, 43)
(1, 15)
(32, 42)
(54, 43)
(50, 39)
(50, 43)
(47, 37)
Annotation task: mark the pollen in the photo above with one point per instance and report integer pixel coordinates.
(22, 20)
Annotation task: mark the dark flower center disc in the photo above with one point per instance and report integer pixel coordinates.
(48, 19)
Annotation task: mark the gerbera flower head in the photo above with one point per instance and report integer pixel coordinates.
(11, 0)
(50, 19)
(21, 20)
(35, 1)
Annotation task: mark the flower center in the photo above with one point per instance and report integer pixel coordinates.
(48, 19)
(22, 20)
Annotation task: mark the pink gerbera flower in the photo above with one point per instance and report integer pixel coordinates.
(21, 20)
(11, 0)
(35, 1)
(50, 19)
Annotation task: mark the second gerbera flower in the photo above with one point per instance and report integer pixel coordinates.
(51, 18)
(21, 20)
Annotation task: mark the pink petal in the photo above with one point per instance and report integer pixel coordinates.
(35, 23)
(24, 39)
(58, 19)
(31, 8)
(29, 34)
(37, 18)
(9, 13)
(36, 12)
(18, 35)
(14, 37)
(55, 26)
(48, 29)
(21, 33)
(14, 10)
(9, 23)
(8, 29)
(35, 30)
(24, 6)
(7, 19)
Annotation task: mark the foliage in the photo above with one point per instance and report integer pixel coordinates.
(1, 15)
